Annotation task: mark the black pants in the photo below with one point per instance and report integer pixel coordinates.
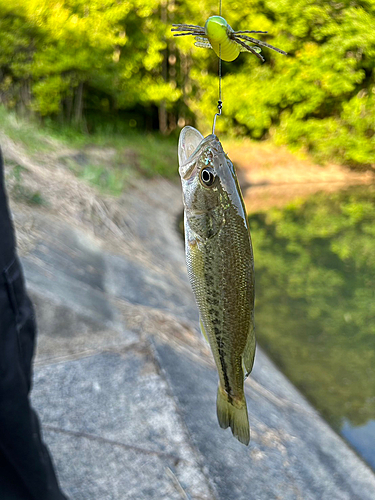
(26, 470)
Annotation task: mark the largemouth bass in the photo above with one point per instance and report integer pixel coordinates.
(220, 265)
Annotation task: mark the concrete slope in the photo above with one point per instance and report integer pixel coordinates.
(126, 388)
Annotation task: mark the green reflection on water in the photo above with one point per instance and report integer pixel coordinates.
(315, 299)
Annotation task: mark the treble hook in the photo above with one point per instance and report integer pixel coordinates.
(219, 107)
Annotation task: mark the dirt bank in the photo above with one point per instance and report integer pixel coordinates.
(272, 176)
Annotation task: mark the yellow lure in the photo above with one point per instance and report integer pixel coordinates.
(217, 31)
(226, 43)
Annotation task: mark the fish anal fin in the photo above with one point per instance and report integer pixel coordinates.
(204, 333)
(233, 414)
(249, 352)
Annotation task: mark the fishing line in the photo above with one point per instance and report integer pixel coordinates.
(220, 101)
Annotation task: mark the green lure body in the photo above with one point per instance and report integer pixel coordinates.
(218, 33)
(227, 43)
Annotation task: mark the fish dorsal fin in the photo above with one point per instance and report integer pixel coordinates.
(204, 333)
(249, 352)
(190, 138)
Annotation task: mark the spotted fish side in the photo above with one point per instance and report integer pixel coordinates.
(219, 259)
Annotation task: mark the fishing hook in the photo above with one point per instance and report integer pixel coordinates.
(219, 107)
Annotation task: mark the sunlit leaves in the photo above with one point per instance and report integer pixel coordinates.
(111, 47)
(320, 97)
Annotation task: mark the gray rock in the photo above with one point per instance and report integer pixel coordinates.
(65, 333)
(114, 429)
(293, 453)
(127, 391)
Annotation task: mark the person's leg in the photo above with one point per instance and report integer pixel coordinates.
(21, 446)
(11, 484)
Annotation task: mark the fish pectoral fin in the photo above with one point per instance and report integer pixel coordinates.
(249, 352)
(234, 415)
(204, 333)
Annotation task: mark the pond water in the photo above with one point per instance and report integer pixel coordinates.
(315, 305)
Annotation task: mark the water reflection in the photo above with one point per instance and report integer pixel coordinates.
(315, 304)
(362, 438)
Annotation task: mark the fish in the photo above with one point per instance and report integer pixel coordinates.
(220, 265)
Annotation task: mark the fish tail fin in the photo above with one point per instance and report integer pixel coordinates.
(233, 414)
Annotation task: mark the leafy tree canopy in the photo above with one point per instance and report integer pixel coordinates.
(68, 58)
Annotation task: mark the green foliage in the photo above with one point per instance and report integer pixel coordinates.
(320, 97)
(131, 154)
(137, 155)
(155, 155)
(55, 53)
(26, 132)
(73, 60)
(143, 154)
(110, 181)
(315, 304)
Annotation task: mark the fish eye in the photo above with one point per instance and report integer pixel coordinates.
(207, 176)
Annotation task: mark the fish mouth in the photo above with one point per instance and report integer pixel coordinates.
(190, 145)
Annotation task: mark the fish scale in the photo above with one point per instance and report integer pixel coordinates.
(220, 267)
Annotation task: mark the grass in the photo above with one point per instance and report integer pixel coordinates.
(26, 132)
(137, 153)
(106, 178)
(149, 154)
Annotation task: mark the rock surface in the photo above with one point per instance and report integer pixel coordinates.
(125, 386)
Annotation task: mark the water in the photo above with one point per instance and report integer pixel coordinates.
(362, 438)
(315, 305)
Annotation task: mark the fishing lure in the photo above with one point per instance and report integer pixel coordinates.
(226, 43)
